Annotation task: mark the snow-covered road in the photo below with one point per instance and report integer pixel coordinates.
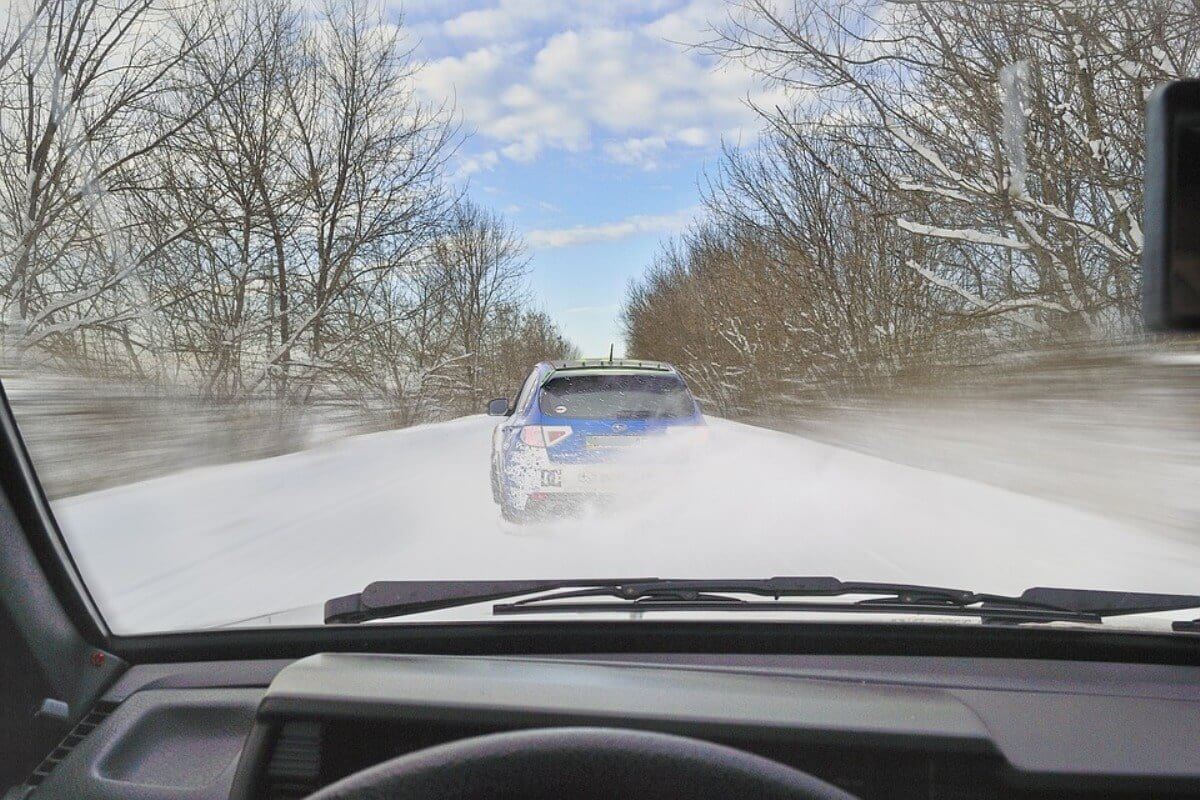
(218, 544)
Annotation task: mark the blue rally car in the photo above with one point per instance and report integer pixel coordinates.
(581, 430)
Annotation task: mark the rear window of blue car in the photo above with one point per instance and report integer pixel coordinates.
(617, 397)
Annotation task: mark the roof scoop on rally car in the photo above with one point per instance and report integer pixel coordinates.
(384, 599)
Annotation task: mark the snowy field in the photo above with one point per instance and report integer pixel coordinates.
(221, 544)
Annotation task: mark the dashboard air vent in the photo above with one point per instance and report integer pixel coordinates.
(294, 769)
(68, 743)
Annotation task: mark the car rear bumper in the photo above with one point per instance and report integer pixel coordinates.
(534, 477)
(559, 504)
(558, 478)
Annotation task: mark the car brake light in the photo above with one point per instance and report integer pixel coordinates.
(544, 435)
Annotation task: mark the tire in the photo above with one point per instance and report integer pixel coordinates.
(509, 513)
(495, 486)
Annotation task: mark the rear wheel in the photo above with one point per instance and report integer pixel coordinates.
(509, 510)
(511, 513)
(502, 496)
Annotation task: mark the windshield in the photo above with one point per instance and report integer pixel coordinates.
(617, 397)
(296, 297)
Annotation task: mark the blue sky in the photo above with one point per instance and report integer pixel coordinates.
(591, 124)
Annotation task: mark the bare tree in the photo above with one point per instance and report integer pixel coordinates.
(791, 287)
(1011, 132)
(370, 156)
(949, 179)
(483, 266)
(249, 200)
(90, 92)
(229, 170)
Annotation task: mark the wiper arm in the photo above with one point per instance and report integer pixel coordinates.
(385, 599)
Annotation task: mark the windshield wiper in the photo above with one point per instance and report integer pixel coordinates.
(384, 599)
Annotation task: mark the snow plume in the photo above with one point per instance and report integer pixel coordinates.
(1014, 93)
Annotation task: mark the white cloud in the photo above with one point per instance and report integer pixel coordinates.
(611, 231)
(468, 165)
(540, 76)
(691, 24)
(695, 136)
(510, 19)
(428, 9)
(642, 151)
(646, 151)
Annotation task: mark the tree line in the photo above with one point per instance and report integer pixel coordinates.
(247, 198)
(947, 181)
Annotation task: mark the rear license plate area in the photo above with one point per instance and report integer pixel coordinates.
(609, 442)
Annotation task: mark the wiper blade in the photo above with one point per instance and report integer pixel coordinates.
(660, 591)
(1037, 604)
(385, 599)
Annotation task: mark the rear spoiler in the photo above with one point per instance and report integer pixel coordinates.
(605, 363)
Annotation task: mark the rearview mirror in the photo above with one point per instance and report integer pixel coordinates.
(1171, 251)
(498, 407)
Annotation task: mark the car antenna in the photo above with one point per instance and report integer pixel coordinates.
(610, 352)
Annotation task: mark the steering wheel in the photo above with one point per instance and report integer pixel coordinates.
(580, 764)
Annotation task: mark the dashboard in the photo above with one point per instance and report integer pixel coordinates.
(877, 726)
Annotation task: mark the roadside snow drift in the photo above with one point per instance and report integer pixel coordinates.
(221, 544)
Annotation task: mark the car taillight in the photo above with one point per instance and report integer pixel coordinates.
(544, 435)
